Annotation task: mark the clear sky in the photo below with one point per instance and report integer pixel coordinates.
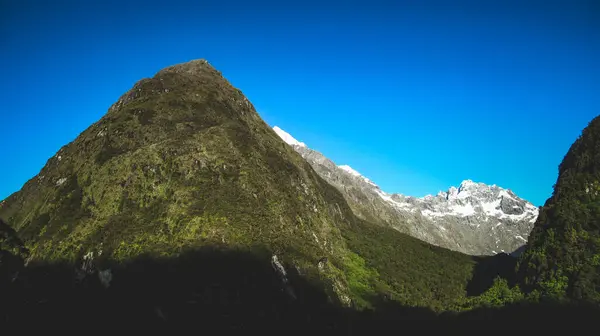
(415, 95)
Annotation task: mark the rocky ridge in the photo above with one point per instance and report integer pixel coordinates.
(473, 218)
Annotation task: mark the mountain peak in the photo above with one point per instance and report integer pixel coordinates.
(468, 188)
(190, 67)
(467, 183)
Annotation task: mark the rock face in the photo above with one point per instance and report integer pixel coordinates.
(474, 218)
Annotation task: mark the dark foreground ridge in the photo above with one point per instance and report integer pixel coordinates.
(225, 291)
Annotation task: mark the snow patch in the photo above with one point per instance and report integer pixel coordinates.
(463, 191)
(370, 182)
(349, 170)
(353, 172)
(463, 210)
(519, 237)
(452, 192)
(520, 217)
(432, 214)
(388, 198)
(491, 208)
(505, 194)
(287, 137)
(532, 207)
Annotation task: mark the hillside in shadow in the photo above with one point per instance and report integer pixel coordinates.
(221, 290)
(487, 268)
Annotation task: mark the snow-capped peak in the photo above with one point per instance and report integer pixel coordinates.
(468, 188)
(285, 136)
(466, 184)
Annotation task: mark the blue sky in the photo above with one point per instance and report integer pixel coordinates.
(416, 95)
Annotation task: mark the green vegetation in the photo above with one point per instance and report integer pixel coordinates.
(183, 161)
(498, 295)
(411, 272)
(563, 257)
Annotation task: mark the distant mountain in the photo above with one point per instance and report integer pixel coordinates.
(474, 218)
(562, 259)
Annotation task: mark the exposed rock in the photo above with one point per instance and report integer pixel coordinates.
(61, 181)
(87, 266)
(322, 262)
(474, 218)
(278, 267)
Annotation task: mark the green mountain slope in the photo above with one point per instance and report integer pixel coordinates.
(562, 259)
(182, 161)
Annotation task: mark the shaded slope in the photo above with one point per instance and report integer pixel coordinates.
(242, 291)
(563, 254)
(183, 160)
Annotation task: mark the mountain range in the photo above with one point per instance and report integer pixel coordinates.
(182, 207)
(474, 218)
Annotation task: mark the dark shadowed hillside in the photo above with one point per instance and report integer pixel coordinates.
(228, 291)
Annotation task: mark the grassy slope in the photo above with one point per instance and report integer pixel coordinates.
(183, 160)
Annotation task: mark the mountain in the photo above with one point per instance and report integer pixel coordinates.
(181, 208)
(562, 259)
(182, 161)
(474, 218)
